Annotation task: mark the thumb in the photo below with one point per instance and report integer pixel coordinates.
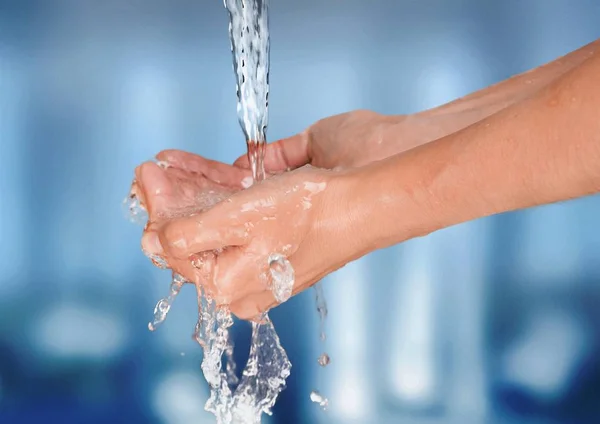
(291, 152)
(207, 231)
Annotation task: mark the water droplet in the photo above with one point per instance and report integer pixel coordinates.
(197, 261)
(160, 313)
(324, 360)
(282, 275)
(162, 164)
(321, 309)
(134, 211)
(317, 397)
(158, 261)
(164, 305)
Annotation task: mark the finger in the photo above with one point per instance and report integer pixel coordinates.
(153, 250)
(137, 187)
(183, 160)
(151, 243)
(218, 172)
(153, 186)
(287, 153)
(211, 230)
(205, 265)
(187, 270)
(239, 274)
(253, 306)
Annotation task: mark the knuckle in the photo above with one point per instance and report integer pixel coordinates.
(174, 238)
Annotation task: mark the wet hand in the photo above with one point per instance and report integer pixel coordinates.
(351, 139)
(179, 184)
(180, 181)
(298, 214)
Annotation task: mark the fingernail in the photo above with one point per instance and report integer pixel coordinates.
(151, 243)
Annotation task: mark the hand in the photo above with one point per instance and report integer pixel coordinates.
(178, 180)
(351, 139)
(180, 184)
(298, 214)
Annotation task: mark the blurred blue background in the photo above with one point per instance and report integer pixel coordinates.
(494, 321)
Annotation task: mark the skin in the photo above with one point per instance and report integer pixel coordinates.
(360, 137)
(178, 187)
(531, 140)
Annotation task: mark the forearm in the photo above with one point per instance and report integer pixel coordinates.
(474, 107)
(541, 150)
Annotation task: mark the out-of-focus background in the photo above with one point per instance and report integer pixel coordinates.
(493, 321)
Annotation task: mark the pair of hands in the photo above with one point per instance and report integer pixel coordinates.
(216, 233)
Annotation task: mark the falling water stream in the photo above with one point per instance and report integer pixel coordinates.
(250, 45)
(244, 400)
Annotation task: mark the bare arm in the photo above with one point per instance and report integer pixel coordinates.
(474, 107)
(357, 138)
(540, 149)
(543, 149)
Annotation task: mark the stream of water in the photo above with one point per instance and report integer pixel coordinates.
(243, 400)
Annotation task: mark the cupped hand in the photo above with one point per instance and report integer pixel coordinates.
(298, 214)
(179, 184)
(180, 181)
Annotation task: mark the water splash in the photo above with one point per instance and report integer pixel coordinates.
(137, 214)
(265, 374)
(318, 398)
(282, 277)
(158, 261)
(263, 378)
(233, 400)
(230, 366)
(133, 209)
(212, 332)
(164, 305)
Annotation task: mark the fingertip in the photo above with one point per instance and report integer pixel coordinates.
(166, 155)
(146, 168)
(163, 158)
(151, 243)
(182, 237)
(287, 153)
(253, 306)
(185, 268)
(140, 170)
(173, 239)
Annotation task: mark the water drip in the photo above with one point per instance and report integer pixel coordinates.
(164, 305)
(319, 399)
(282, 277)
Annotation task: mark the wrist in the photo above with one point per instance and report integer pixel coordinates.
(384, 207)
(342, 226)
